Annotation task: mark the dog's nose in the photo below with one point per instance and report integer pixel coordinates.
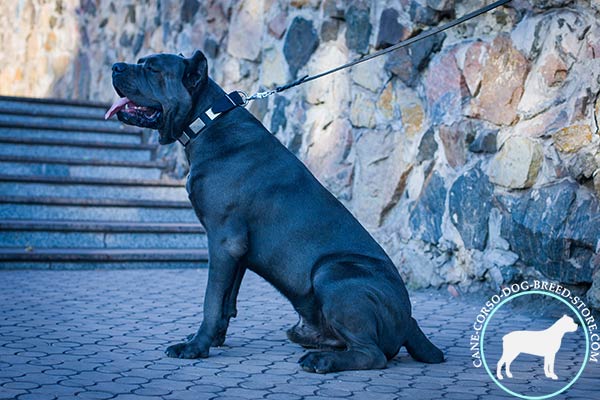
(119, 67)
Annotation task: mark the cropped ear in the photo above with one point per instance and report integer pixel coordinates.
(196, 71)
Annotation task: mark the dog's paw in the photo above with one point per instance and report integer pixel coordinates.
(553, 377)
(320, 362)
(186, 350)
(219, 339)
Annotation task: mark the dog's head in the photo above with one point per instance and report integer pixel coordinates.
(568, 324)
(158, 92)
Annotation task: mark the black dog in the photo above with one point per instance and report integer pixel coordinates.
(263, 210)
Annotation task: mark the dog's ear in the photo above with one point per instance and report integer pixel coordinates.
(196, 71)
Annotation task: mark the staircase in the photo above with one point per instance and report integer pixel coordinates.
(79, 192)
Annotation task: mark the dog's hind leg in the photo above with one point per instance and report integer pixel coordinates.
(311, 337)
(357, 331)
(352, 319)
(508, 361)
(501, 362)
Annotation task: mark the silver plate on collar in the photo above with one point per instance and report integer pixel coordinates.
(197, 125)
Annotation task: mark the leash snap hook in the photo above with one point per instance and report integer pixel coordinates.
(244, 96)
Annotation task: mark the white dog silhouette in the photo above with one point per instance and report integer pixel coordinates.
(544, 343)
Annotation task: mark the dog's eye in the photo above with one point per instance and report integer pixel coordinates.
(151, 68)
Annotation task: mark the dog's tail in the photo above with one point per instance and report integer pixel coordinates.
(420, 348)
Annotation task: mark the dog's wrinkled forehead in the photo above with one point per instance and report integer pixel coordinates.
(164, 62)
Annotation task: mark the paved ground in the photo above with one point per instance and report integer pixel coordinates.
(101, 335)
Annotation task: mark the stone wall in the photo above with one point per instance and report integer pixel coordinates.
(472, 156)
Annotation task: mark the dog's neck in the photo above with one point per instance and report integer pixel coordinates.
(205, 99)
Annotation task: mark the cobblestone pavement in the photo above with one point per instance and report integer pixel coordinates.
(101, 335)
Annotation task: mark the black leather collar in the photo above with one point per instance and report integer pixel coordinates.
(223, 104)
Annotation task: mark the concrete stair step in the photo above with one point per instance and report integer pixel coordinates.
(24, 106)
(36, 133)
(101, 255)
(87, 150)
(59, 167)
(92, 187)
(62, 102)
(37, 234)
(101, 226)
(91, 181)
(90, 209)
(78, 265)
(63, 124)
(78, 192)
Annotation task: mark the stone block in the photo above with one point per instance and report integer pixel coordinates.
(390, 30)
(362, 111)
(445, 89)
(383, 167)
(485, 141)
(428, 210)
(572, 138)
(329, 29)
(422, 14)
(517, 164)
(245, 41)
(278, 119)
(556, 230)
(370, 75)
(278, 25)
(470, 202)
(503, 75)
(427, 147)
(453, 140)
(406, 63)
(358, 27)
(301, 42)
(274, 71)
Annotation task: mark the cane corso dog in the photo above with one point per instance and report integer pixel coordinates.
(263, 210)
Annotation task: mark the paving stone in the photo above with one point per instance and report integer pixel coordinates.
(300, 390)
(382, 388)
(188, 395)
(152, 391)
(333, 393)
(244, 393)
(284, 396)
(205, 388)
(36, 396)
(374, 396)
(20, 385)
(136, 314)
(7, 393)
(131, 380)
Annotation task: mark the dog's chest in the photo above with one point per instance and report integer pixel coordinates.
(207, 198)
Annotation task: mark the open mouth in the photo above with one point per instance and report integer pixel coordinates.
(134, 114)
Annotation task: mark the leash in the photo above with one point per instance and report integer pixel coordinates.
(408, 42)
(238, 98)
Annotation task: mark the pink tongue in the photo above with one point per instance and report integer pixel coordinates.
(116, 107)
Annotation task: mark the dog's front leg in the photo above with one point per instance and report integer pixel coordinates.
(223, 267)
(229, 307)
